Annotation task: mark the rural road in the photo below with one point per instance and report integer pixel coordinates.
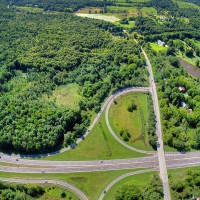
(70, 187)
(160, 149)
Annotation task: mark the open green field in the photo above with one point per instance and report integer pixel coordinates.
(191, 60)
(197, 42)
(91, 183)
(130, 25)
(98, 145)
(30, 9)
(179, 174)
(138, 179)
(120, 8)
(149, 10)
(182, 4)
(157, 47)
(54, 193)
(120, 118)
(66, 95)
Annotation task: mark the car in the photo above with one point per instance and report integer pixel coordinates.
(104, 191)
(0, 156)
(157, 144)
(43, 171)
(46, 181)
(100, 161)
(17, 159)
(88, 130)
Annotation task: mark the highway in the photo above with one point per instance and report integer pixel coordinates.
(160, 150)
(39, 166)
(154, 160)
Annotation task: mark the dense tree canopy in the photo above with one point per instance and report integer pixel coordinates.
(44, 51)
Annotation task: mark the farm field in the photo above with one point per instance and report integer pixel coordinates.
(120, 119)
(121, 8)
(149, 10)
(99, 145)
(98, 16)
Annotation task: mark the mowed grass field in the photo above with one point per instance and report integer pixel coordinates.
(157, 47)
(149, 10)
(66, 95)
(120, 118)
(98, 145)
(91, 183)
(121, 8)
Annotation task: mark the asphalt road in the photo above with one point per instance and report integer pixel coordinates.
(160, 150)
(39, 166)
(70, 187)
(122, 92)
(120, 178)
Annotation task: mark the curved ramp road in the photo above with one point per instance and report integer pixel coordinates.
(144, 89)
(72, 188)
(120, 178)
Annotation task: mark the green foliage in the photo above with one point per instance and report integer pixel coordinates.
(131, 106)
(180, 127)
(152, 191)
(55, 51)
(124, 133)
(186, 187)
(19, 192)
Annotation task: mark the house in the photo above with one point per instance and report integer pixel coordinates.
(183, 104)
(182, 89)
(190, 110)
(161, 43)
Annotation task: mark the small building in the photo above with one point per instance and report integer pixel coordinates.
(190, 110)
(161, 43)
(183, 104)
(182, 89)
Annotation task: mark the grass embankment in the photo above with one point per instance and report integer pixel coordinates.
(98, 145)
(55, 193)
(191, 60)
(91, 183)
(175, 175)
(138, 180)
(135, 122)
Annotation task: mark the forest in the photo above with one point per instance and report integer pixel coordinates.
(57, 50)
(180, 110)
(60, 5)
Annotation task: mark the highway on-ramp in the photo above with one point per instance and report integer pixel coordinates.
(70, 187)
